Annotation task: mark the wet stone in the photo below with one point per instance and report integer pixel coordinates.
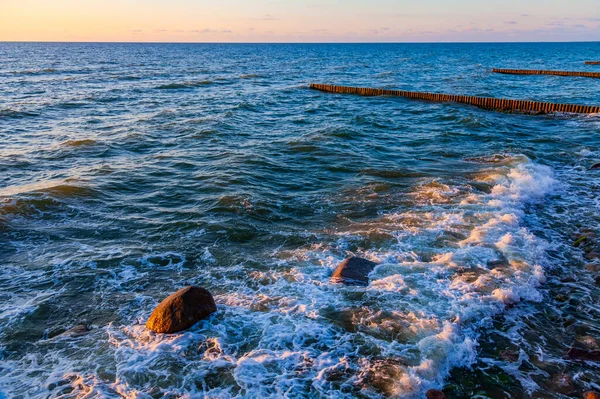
(353, 270)
(181, 310)
(562, 383)
(591, 395)
(509, 355)
(583, 354)
(435, 394)
(592, 267)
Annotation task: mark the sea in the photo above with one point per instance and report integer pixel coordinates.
(129, 171)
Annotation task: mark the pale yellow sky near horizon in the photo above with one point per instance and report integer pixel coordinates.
(298, 21)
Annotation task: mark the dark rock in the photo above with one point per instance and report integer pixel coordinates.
(597, 279)
(592, 267)
(561, 298)
(79, 330)
(591, 395)
(562, 383)
(435, 394)
(385, 374)
(509, 355)
(353, 271)
(582, 354)
(592, 255)
(181, 310)
(595, 166)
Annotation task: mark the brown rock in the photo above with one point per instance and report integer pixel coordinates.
(582, 354)
(353, 271)
(591, 395)
(562, 383)
(435, 394)
(181, 310)
(595, 166)
(509, 355)
(592, 267)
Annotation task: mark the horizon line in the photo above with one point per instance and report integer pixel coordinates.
(308, 42)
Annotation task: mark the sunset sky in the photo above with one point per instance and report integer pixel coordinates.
(299, 20)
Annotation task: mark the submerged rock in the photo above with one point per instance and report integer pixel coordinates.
(181, 310)
(592, 267)
(582, 354)
(353, 270)
(562, 383)
(435, 394)
(595, 166)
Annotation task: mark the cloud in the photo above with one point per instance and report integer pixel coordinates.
(526, 15)
(206, 30)
(135, 30)
(226, 31)
(267, 17)
(510, 22)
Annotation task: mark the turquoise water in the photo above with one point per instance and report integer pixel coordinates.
(131, 170)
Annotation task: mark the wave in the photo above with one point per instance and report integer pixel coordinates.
(35, 71)
(11, 113)
(185, 85)
(250, 76)
(79, 143)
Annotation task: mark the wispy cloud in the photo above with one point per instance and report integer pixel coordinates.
(267, 17)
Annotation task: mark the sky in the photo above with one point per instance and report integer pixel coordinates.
(299, 20)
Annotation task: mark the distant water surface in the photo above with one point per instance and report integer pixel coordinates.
(128, 171)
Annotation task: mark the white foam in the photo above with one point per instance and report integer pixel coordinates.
(283, 329)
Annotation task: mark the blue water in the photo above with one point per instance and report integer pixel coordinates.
(128, 171)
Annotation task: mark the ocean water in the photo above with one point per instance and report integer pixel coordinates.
(128, 171)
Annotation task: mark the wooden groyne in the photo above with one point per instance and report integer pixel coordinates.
(592, 63)
(496, 104)
(541, 72)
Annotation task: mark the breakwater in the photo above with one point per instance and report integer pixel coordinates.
(496, 104)
(542, 72)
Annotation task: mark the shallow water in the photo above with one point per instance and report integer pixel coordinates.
(131, 170)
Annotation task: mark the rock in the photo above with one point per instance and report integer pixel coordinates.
(435, 394)
(562, 383)
(181, 310)
(353, 270)
(592, 267)
(79, 330)
(561, 298)
(582, 354)
(384, 375)
(591, 395)
(595, 166)
(597, 279)
(509, 355)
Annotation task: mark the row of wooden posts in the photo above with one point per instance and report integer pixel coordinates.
(542, 72)
(497, 104)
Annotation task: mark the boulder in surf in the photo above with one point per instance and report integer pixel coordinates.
(435, 394)
(353, 270)
(181, 310)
